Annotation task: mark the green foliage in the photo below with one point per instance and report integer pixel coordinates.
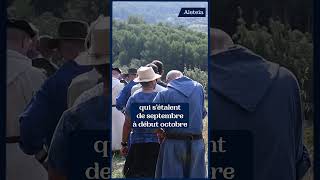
(281, 44)
(197, 75)
(175, 47)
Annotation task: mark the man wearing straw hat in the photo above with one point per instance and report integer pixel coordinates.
(41, 116)
(144, 145)
(253, 94)
(84, 81)
(91, 114)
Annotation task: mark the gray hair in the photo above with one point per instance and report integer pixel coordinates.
(173, 74)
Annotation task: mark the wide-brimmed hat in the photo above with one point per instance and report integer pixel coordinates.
(98, 38)
(70, 30)
(146, 74)
(23, 26)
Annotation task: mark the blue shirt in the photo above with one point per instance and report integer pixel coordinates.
(185, 90)
(42, 114)
(91, 115)
(141, 135)
(124, 95)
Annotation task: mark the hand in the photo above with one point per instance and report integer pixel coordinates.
(161, 135)
(124, 151)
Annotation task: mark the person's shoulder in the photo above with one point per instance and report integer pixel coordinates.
(285, 75)
(86, 106)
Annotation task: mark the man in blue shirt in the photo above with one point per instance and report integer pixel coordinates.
(93, 115)
(124, 95)
(190, 161)
(249, 93)
(41, 116)
(144, 145)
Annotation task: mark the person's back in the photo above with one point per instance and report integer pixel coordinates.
(185, 90)
(22, 82)
(249, 93)
(80, 84)
(140, 135)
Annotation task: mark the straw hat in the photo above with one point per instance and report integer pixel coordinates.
(98, 38)
(146, 74)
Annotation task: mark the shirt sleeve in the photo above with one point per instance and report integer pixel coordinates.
(128, 107)
(33, 125)
(121, 100)
(60, 145)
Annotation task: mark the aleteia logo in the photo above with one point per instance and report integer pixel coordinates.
(192, 12)
(189, 12)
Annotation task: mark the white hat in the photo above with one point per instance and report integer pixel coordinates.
(99, 40)
(146, 74)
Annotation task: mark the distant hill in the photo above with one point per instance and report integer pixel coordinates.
(164, 12)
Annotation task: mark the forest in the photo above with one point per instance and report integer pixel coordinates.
(136, 43)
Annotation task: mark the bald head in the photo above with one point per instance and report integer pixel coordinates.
(174, 74)
(220, 40)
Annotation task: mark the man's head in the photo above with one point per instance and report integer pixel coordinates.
(116, 73)
(147, 78)
(43, 46)
(220, 41)
(132, 74)
(70, 49)
(173, 74)
(97, 52)
(19, 35)
(154, 67)
(159, 64)
(71, 38)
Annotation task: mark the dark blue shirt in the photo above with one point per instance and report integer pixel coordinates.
(124, 95)
(141, 135)
(92, 115)
(41, 116)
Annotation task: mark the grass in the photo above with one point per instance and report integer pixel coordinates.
(308, 141)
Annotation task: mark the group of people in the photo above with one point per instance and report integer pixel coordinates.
(46, 104)
(166, 153)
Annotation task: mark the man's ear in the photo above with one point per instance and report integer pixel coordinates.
(26, 43)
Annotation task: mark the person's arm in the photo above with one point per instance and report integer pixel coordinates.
(58, 161)
(121, 100)
(33, 124)
(126, 129)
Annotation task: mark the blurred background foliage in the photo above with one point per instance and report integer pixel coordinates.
(288, 47)
(136, 44)
(46, 15)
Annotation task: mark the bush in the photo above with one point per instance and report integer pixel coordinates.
(199, 76)
(289, 48)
